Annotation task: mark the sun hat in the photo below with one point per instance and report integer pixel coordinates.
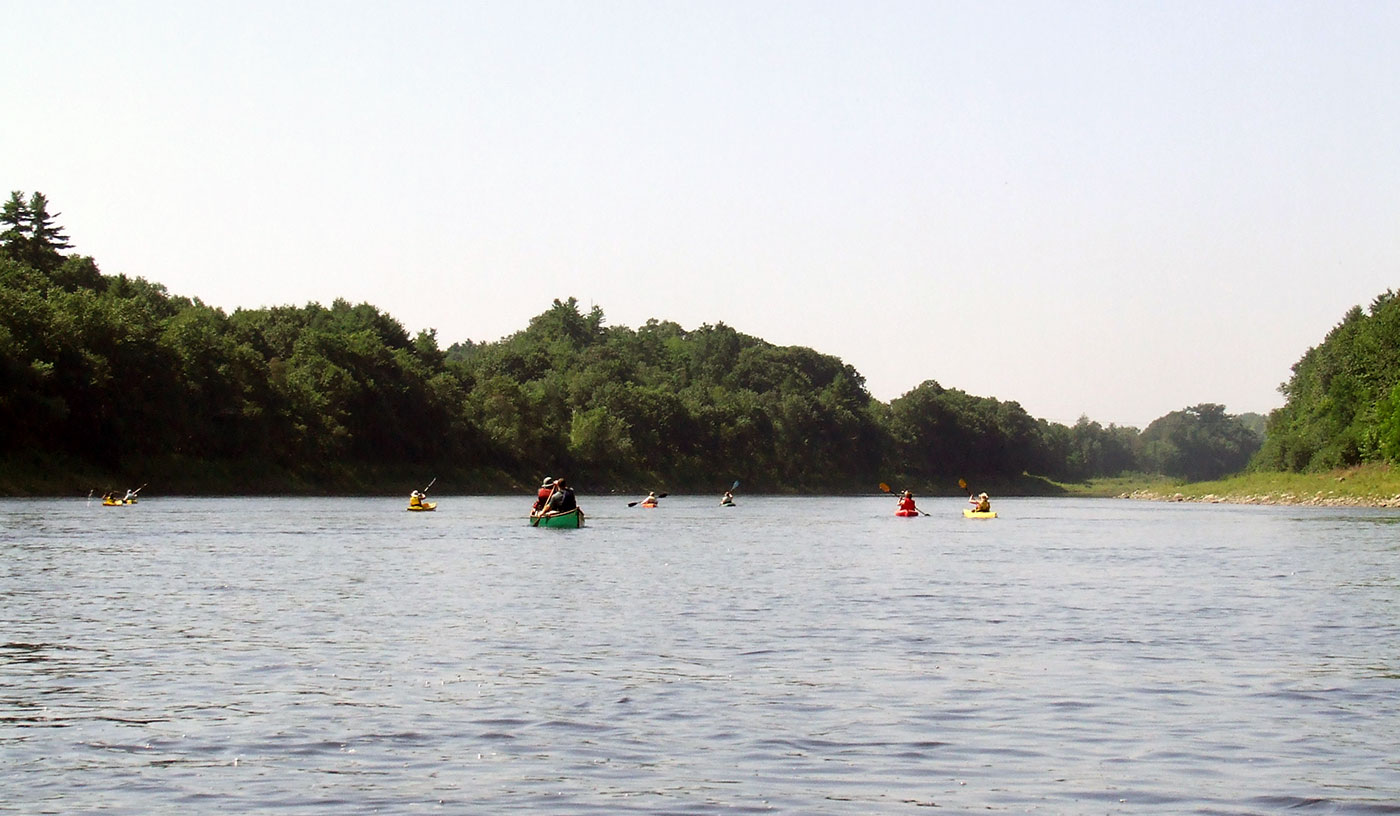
(547, 482)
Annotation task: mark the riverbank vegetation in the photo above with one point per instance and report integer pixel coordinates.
(1343, 398)
(110, 381)
(1373, 485)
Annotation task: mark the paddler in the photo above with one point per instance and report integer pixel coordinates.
(563, 499)
(906, 502)
(650, 500)
(415, 499)
(542, 495)
(980, 503)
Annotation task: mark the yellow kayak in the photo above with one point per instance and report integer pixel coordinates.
(424, 507)
(979, 514)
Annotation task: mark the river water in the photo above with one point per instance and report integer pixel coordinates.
(788, 655)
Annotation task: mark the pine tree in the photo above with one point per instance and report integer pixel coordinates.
(42, 229)
(31, 235)
(14, 240)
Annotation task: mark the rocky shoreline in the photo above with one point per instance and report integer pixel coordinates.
(1318, 499)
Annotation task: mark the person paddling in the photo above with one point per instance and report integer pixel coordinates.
(651, 499)
(415, 499)
(542, 495)
(906, 503)
(728, 498)
(563, 499)
(980, 503)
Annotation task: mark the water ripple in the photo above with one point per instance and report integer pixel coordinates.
(326, 656)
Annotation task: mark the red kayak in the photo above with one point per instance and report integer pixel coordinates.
(906, 513)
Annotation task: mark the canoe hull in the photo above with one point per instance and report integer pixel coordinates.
(569, 519)
(978, 514)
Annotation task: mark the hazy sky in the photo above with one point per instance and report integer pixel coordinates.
(1117, 209)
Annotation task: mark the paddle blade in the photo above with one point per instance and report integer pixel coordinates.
(962, 483)
(734, 486)
(884, 488)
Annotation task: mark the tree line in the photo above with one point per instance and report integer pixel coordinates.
(117, 373)
(1342, 403)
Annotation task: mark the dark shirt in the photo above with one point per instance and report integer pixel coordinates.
(563, 500)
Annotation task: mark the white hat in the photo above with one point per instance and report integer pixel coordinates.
(547, 482)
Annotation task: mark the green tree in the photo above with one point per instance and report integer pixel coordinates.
(1198, 443)
(31, 234)
(16, 219)
(1337, 410)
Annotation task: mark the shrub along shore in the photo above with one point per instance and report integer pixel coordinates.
(1363, 486)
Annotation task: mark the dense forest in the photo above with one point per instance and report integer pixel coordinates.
(1343, 399)
(113, 377)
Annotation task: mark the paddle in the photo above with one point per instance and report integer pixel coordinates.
(535, 517)
(886, 488)
(430, 484)
(639, 501)
(138, 490)
(963, 484)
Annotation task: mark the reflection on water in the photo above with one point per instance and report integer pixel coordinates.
(789, 655)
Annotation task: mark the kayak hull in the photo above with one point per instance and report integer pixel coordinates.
(906, 513)
(422, 508)
(726, 504)
(979, 514)
(569, 519)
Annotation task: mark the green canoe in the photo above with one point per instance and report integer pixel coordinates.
(568, 518)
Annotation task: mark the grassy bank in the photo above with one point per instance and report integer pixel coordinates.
(1365, 486)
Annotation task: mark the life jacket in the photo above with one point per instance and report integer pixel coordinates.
(907, 503)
